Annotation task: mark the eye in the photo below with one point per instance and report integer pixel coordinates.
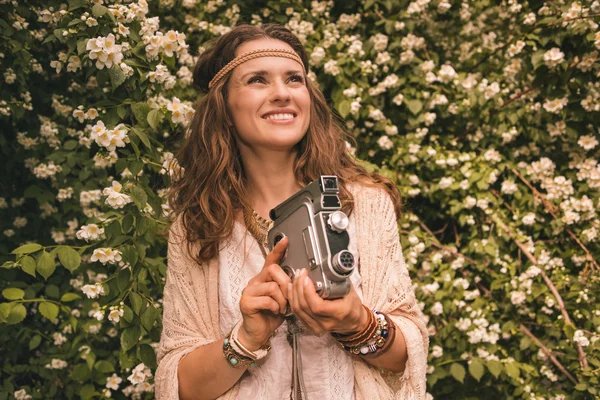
(297, 78)
(256, 78)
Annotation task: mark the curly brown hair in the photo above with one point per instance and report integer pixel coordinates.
(212, 186)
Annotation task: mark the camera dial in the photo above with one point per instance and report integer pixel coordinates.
(338, 221)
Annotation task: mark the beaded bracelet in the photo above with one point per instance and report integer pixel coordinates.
(370, 342)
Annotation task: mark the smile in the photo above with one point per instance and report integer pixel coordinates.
(280, 117)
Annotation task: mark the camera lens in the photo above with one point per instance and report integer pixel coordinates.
(343, 262)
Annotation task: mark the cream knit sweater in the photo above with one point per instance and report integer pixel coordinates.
(191, 304)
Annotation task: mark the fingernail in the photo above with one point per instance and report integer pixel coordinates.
(306, 281)
(302, 271)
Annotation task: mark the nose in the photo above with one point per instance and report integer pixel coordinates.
(280, 92)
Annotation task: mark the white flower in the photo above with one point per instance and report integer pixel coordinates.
(528, 219)
(112, 382)
(20, 222)
(317, 55)
(398, 99)
(115, 314)
(89, 232)
(139, 374)
(106, 255)
(447, 73)
(380, 41)
(509, 187)
(93, 291)
(21, 394)
(437, 351)
(59, 339)
(588, 142)
(579, 337)
(115, 198)
(463, 324)
(385, 142)
(517, 297)
(437, 308)
(554, 106)
(331, 68)
(57, 364)
(446, 182)
(553, 57)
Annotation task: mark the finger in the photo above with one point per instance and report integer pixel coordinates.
(252, 305)
(271, 289)
(310, 322)
(277, 253)
(314, 302)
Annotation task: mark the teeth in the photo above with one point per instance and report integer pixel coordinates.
(280, 116)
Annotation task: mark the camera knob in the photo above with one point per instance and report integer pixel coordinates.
(338, 221)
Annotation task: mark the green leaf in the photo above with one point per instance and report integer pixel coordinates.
(81, 372)
(27, 248)
(13, 294)
(139, 197)
(104, 367)
(415, 106)
(148, 317)
(130, 254)
(344, 108)
(140, 112)
(147, 355)
(82, 46)
(476, 369)
(130, 337)
(17, 314)
(458, 372)
(88, 391)
(495, 367)
(69, 258)
(45, 264)
(155, 117)
(35, 342)
(140, 133)
(28, 265)
(49, 310)
(136, 302)
(123, 279)
(5, 311)
(512, 369)
(127, 223)
(99, 10)
(117, 76)
(67, 297)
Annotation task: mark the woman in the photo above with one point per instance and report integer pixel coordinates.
(261, 132)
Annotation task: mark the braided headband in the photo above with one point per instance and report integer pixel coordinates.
(242, 58)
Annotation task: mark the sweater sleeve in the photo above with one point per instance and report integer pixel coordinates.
(186, 314)
(388, 286)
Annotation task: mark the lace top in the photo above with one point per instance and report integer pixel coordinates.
(192, 313)
(327, 369)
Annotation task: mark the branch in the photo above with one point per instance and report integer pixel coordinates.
(548, 353)
(580, 353)
(518, 96)
(437, 243)
(552, 209)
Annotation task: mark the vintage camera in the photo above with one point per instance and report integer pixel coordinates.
(318, 241)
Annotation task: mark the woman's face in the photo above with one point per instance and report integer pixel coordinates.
(268, 99)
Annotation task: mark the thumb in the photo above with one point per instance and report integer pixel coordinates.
(277, 253)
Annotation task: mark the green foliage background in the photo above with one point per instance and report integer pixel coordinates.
(485, 114)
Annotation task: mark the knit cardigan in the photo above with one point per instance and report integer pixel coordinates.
(191, 304)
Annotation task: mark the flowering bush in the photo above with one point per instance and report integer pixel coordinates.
(483, 114)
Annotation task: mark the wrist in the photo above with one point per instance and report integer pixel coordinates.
(246, 340)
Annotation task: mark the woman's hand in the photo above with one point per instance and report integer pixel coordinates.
(263, 302)
(345, 315)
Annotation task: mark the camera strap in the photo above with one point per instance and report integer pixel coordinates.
(298, 390)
